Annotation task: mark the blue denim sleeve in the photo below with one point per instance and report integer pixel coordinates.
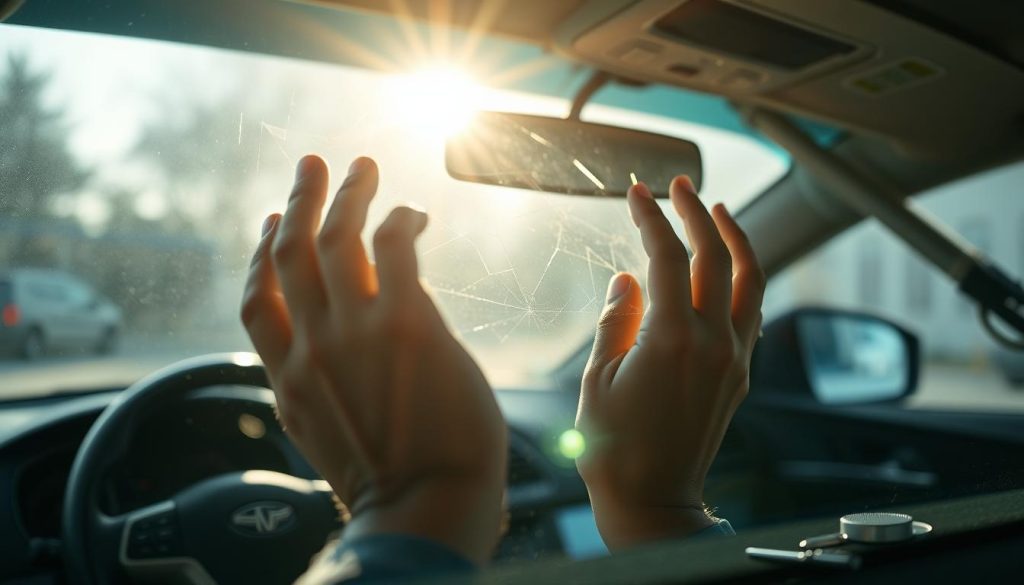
(383, 558)
(395, 557)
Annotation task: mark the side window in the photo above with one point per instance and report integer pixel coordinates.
(57, 292)
(920, 283)
(869, 269)
(38, 292)
(47, 292)
(869, 272)
(77, 293)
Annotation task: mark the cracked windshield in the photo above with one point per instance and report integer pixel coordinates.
(134, 176)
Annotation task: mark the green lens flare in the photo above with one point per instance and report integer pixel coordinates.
(571, 444)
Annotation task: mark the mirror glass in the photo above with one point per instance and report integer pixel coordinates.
(854, 358)
(567, 156)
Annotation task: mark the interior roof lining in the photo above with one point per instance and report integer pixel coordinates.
(977, 33)
(989, 28)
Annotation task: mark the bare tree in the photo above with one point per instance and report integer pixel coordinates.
(35, 163)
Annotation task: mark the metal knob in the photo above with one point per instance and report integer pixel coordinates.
(870, 528)
(877, 527)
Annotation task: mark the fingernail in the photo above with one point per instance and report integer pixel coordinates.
(617, 287)
(415, 206)
(423, 218)
(642, 190)
(359, 165)
(304, 165)
(686, 183)
(268, 224)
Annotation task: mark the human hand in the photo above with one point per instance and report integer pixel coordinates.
(660, 389)
(371, 386)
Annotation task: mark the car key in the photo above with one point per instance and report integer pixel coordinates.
(816, 556)
(824, 541)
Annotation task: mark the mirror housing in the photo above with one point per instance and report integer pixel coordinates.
(837, 357)
(567, 156)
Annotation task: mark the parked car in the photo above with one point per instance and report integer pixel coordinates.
(48, 310)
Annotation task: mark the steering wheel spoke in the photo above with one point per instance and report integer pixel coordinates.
(151, 533)
(238, 527)
(152, 548)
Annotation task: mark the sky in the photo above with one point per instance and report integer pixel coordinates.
(508, 265)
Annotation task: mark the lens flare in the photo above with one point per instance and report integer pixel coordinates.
(571, 444)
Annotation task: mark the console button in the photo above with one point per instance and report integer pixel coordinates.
(154, 536)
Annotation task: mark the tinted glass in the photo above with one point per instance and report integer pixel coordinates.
(868, 269)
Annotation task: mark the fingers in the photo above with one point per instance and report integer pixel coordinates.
(347, 274)
(619, 323)
(668, 273)
(395, 255)
(263, 310)
(294, 251)
(749, 278)
(712, 265)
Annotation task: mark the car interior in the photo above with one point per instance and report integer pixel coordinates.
(870, 103)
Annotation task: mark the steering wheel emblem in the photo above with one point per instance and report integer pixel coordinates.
(263, 518)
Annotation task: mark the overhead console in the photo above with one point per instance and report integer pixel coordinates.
(849, 63)
(718, 45)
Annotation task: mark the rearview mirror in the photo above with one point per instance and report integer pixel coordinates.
(567, 156)
(839, 357)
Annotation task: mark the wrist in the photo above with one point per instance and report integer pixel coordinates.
(463, 514)
(627, 525)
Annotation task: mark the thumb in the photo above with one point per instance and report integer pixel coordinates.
(619, 323)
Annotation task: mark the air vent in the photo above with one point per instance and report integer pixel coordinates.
(521, 470)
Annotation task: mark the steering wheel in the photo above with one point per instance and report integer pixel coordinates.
(242, 527)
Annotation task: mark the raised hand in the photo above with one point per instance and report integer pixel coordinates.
(371, 386)
(660, 388)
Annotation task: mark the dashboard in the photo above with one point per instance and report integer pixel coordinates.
(222, 429)
(768, 470)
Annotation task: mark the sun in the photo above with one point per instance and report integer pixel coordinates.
(436, 101)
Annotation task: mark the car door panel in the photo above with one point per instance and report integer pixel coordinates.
(47, 312)
(814, 459)
(81, 314)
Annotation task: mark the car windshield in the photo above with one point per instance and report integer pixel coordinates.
(135, 180)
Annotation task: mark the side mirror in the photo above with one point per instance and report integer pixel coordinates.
(567, 156)
(839, 357)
